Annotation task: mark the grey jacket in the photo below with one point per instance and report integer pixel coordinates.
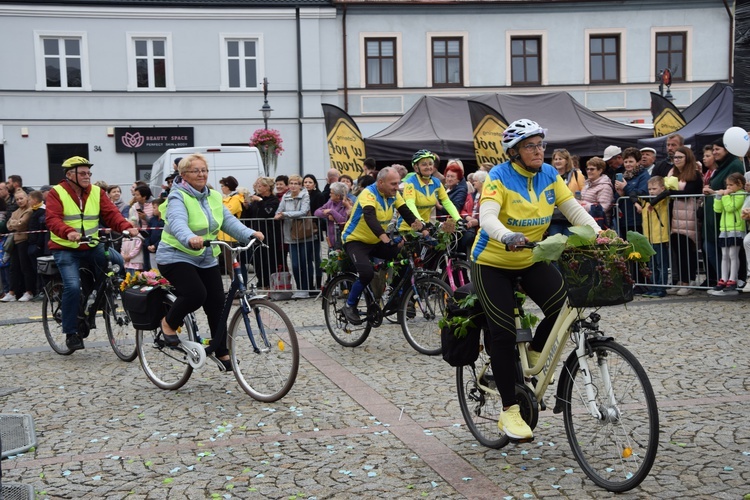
(177, 223)
(293, 208)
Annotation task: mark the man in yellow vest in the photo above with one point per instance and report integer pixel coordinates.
(74, 208)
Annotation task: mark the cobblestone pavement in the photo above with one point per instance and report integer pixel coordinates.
(377, 421)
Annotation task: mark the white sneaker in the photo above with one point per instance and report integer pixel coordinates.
(26, 297)
(672, 291)
(683, 291)
(746, 288)
(8, 298)
(300, 295)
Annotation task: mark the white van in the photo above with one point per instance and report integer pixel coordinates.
(241, 162)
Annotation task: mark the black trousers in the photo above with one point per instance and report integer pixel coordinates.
(22, 269)
(197, 287)
(543, 284)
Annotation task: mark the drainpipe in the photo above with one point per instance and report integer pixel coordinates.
(731, 41)
(346, 78)
(299, 91)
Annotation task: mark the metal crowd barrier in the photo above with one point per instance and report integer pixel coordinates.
(694, 263)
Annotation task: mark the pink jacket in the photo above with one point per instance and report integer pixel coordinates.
(598, 192)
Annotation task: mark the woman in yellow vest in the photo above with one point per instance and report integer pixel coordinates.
(195, 213)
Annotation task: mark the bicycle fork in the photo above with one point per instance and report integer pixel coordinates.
(582, 352)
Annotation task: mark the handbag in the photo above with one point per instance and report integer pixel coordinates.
(303, 228)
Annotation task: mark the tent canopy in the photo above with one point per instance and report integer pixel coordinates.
(711, 118)
(443, 125)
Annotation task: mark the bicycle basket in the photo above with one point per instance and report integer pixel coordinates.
(593, 282)
(145, 306)
(46, 265)
(461, 351)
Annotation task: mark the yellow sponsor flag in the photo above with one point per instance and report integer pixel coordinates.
(345, 144)
(488, 126)
(667, 118)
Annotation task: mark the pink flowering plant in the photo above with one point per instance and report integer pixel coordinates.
(596, 267)
(268, 141)
(140, 279)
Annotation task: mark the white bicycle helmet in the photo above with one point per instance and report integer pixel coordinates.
(520, 130)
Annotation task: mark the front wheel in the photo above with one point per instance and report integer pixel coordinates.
(267, 371)
(421, 310)
(52, 317)
(167, 367)
(119, 330)
(460, 275)
(616, 450)
(334, 299)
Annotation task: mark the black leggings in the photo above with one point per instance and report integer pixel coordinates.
(196, 287)
(495, 287)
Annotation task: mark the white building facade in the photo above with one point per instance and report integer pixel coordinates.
(79, 75)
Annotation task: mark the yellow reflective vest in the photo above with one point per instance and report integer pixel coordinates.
(86, 222)
(197, 222)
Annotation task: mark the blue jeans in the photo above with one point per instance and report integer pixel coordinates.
(302, 264)
(68, 263)
(660, 266)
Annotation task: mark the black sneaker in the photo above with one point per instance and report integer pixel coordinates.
(351, 314)
(74, 342)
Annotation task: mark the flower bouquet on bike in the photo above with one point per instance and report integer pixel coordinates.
(598, 269)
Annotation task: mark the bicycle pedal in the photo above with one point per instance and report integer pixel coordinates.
(521, 441)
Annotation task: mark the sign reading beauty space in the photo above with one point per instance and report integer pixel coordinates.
(152, 139)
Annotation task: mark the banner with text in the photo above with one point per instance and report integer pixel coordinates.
(345, 144)
(152, 139)
(488, 126)
(667, 118)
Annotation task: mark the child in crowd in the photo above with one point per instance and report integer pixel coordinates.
(655, 216)
(132, 254)
(156, 222)
(729, 204)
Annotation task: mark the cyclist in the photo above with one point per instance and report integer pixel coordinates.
(516, 206)
(423, 190)
(74, 208)
(364, 234)
(194, 214)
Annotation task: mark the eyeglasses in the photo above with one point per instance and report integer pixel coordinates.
(197, 172)
(84, 174)
(680, 157)
(533, 147)
(589, 169)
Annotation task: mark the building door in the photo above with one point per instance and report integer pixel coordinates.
(57, 154)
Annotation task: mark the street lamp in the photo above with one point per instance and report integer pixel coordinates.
(665, 78)
(266, 108)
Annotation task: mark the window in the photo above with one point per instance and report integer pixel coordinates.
(149, 62)
(670, 53)
(61, 61)
(242, 63)
(525, 61)
(380, 62)
(447, 62)
(57, 154)
(604, 59)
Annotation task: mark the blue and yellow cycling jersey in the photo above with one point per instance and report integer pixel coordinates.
(356, 228)
(526, 204)
(423, 196)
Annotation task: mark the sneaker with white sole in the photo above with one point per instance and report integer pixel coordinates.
(300, 295)
(672, 291)
(746, 288)
(26, 297)
(513, 425)
(8, 298)
(684, 291)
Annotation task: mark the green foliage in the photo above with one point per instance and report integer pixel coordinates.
(461, 324)
(335, 263)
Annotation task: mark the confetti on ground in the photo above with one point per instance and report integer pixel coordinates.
(556, 486)
(551, 469)
(372, 474)
(524, 452)
(466, 479)
(728, 469)
(97, 478)
(569, 471)
(175, 470)
(434, 484)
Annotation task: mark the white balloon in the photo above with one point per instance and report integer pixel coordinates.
(736, 141)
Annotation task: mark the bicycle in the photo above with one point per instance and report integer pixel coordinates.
(608, 405)
(419, 300)
(98, 293)
(261, 339)
(452, 264)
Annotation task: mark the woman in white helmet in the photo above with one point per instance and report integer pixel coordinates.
(516, 206)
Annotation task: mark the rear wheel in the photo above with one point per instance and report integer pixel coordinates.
(268, 372)
(52, 317)
(167, 367)
(343, 332)
(617, 450)
(420, 312)
(461, 274)
(119, 330)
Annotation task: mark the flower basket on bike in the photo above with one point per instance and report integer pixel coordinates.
(596, 268)
(461, 328)
(143, 298)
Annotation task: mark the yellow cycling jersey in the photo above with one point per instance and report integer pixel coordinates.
(526, 204)
(356, 228)
(424, 196)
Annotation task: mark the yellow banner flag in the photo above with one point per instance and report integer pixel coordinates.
(345, 144)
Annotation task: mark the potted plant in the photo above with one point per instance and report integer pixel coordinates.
(269, 144)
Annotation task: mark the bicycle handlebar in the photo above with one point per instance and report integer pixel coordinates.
(253, 241)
